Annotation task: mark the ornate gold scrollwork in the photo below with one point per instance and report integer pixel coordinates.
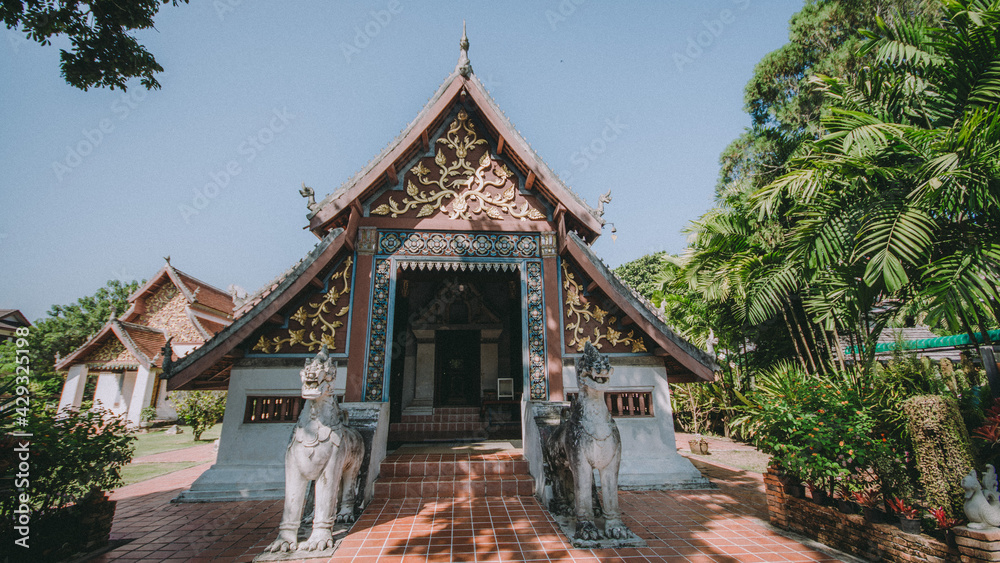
(460, 181)
(312, 315)
(580, 312)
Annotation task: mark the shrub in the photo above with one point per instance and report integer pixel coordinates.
(70, 455)
(942, 449)
(199, 409)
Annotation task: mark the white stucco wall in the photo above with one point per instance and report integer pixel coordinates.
(649, 450)
(251, 459)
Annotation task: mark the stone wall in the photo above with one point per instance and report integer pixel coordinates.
(851, 533)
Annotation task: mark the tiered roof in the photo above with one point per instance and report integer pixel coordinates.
(171, 305)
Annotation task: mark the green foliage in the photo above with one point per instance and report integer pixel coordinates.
(942, 449)
(70, 454)
(641, 274)
(199, 409)
(104, 49)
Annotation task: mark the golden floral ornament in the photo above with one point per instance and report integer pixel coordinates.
(461, 182)
(579, 312)
(317, 329)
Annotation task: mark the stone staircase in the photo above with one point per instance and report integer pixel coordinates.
(458, 475)
(446, 424)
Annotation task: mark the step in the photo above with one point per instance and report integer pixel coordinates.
(433, 465)
(436, 426)
(455, 486)
(437, 436)
(436, 417)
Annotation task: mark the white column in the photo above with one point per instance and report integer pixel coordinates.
(489, 358)
(106, 394)
(423, 390)
(72, 393)
(142, 395)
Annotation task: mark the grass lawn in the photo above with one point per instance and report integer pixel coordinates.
(159, 441)
(136, 472)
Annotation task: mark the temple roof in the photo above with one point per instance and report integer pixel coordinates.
(694, 363)
(157, 312)
(254, 313)
(195, 291)
(143, 345)
(461, 86)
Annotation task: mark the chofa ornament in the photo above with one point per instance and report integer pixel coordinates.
(322, 449)
(982, 501)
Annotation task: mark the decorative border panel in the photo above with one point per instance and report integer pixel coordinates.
(476, 245)
(536, 333)
(377, 331)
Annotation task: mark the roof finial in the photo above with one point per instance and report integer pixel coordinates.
(167, 258)
(464, 66)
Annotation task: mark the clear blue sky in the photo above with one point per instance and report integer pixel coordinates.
(82, 205)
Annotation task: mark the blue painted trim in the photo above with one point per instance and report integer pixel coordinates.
(368, 332)
(525, 328)
(389, 330)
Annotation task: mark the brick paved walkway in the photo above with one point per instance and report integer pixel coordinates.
(724, 525)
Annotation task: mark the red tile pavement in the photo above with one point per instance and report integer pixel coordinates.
(679, 526)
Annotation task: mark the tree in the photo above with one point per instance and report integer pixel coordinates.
(69, 326)
(104, 49)
(901, 196)
(199, 409)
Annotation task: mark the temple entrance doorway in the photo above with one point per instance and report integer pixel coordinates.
(457, 382)
(459, 371)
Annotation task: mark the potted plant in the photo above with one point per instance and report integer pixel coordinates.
(868, 500)
(944, 525)
(819, 493)
(909, 521)
(698, 445)
(146, 416)
(845, 492)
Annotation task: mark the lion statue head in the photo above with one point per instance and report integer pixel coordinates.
(318, 375)
(593, 369)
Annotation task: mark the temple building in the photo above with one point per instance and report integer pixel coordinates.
(123, 361)
(455, 285)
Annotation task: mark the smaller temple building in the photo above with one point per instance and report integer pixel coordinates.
(10, 321)
(123, 361)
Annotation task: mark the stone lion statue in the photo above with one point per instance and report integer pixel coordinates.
(588, 439)
(322, 449)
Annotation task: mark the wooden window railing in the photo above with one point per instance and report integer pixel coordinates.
(262, 409)
(626, 404)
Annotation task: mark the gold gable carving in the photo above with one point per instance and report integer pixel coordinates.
(462, 183)
(318, 320)
(579, 311)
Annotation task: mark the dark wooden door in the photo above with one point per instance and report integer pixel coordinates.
(457, 378)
